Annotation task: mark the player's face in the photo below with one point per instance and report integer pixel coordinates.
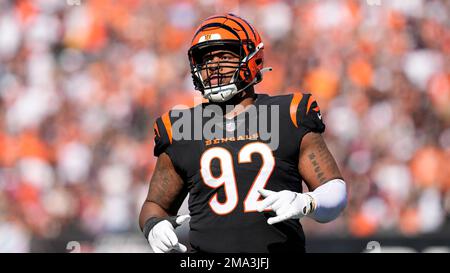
(219, 67)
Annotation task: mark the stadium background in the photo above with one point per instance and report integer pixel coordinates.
(82, 81)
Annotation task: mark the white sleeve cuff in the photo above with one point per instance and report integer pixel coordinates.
(330, 200)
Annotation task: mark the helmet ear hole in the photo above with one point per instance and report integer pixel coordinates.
(258, 61)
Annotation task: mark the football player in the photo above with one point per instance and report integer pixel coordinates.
(244, 194)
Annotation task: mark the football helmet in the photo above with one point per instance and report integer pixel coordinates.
(230, 33)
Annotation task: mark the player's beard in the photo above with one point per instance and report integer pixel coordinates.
(217, 79)
(224, 79)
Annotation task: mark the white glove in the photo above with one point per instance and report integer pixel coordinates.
(162, 237)
(286, 204)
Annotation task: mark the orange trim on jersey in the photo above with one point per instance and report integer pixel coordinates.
(294, 105)
(310, 101)
(166, 121)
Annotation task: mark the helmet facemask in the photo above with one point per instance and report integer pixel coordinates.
(222, 90)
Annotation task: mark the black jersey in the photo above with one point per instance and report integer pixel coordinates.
(223, 174)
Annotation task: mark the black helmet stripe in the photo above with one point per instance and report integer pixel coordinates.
(217, 25)
(237, 22)
(250, 26)
(242, 27)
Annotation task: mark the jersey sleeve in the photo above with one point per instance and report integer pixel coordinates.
(305, 113)
(163, 134)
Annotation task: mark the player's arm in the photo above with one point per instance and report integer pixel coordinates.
(327, 189)
(316, 164)
(166, 191)
(157, 218)
(165, 194)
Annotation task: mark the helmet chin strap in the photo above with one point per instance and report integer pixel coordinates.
(226, 92)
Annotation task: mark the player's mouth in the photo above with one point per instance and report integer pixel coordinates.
(216, 80)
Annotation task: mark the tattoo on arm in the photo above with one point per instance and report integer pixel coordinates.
(317, 170)
(327, 161)
(166, 186)
(316, 164)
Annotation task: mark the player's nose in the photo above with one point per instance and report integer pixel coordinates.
(215, 63)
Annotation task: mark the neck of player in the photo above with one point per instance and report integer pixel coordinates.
(240, 102)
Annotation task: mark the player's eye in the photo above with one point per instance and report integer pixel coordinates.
(226, 57)
(208, 59)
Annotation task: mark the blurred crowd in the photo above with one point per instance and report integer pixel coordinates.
(81, 83)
